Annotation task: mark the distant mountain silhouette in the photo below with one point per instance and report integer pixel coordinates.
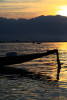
(41, 28)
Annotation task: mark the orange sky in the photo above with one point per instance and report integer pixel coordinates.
(31, 8)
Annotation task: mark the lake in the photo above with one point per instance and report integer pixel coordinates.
(14, 87)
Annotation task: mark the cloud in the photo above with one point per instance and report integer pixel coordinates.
(7, 1)
(19, 1)
(26, 8)
(1, 0)
(26, 1)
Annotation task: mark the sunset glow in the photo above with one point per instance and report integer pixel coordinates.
(31, 8)
(62, 11)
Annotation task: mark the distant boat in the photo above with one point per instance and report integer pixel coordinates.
(38, 42)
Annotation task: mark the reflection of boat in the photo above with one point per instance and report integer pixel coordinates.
(10, 59)
(23, 73)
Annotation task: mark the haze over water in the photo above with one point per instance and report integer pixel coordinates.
(13, 87)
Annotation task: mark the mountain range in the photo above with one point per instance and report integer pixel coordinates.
(41, 28)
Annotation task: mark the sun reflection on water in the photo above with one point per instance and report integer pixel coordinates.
(21, 87)
(63, 59)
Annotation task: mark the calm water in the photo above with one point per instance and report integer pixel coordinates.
(13, 87)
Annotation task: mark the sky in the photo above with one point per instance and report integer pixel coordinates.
(32, 8)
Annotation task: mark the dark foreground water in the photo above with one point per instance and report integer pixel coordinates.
(14, 87)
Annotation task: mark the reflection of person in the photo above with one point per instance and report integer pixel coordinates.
(11, 54)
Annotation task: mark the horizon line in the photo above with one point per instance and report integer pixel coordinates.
(32, 17)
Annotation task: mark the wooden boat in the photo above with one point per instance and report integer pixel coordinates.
(9, 60)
